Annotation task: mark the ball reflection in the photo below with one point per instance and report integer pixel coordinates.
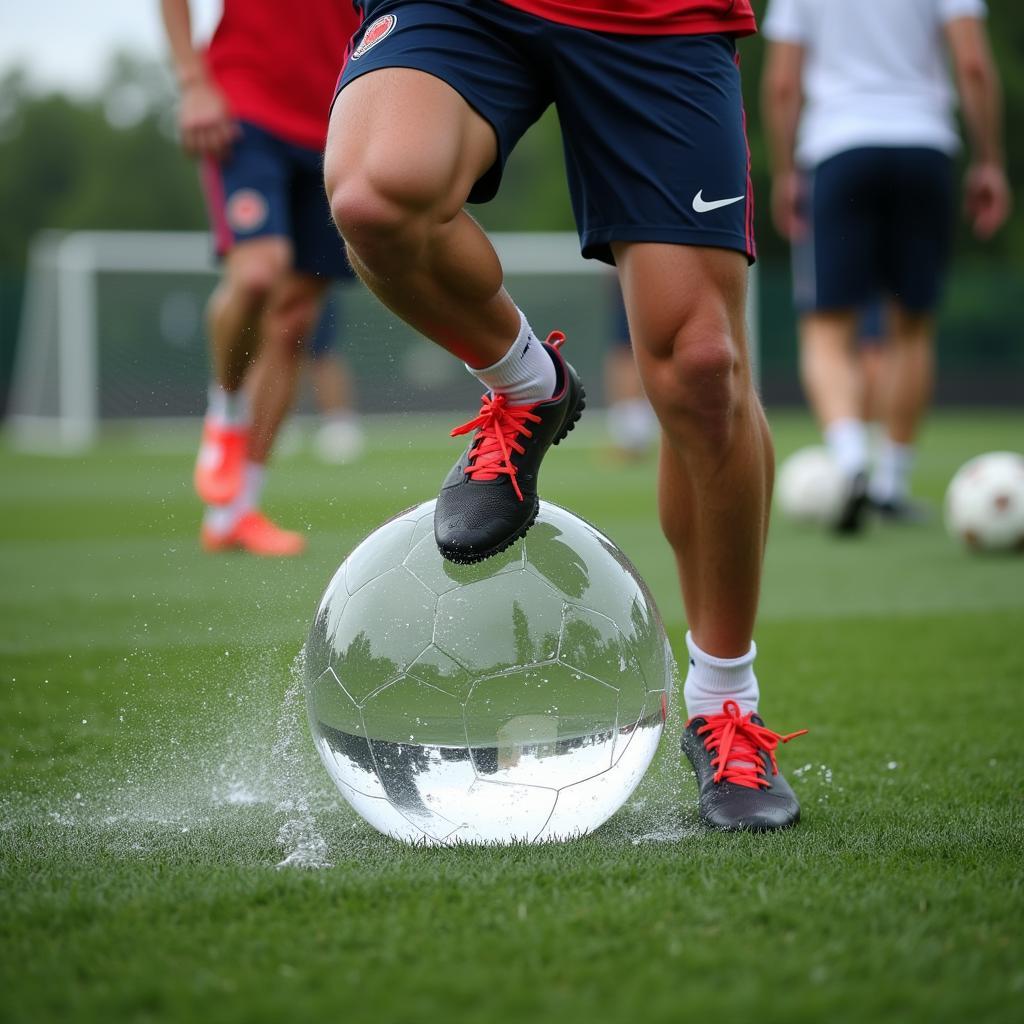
(521, 698)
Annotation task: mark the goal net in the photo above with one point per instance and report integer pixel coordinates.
(113, 330)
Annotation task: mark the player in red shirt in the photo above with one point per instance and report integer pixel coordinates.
(254, 110)
(433, 97)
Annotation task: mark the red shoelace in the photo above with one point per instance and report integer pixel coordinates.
(737, 743)
(500, 424)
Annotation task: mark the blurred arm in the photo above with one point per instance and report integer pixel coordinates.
(782, 101)
(987, 197)
(204, 119)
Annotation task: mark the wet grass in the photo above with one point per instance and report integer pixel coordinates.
(155, 768)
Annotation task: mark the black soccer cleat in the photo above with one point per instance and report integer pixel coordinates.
(489, 498)
(741, 787)
(852, 516)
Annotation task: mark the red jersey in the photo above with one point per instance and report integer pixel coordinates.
(277, 63)
(647, 17)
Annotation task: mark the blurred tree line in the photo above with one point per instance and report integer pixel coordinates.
(111, 160)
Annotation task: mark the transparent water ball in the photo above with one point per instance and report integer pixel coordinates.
(518, 699)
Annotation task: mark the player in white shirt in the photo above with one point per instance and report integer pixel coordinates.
(859, 106)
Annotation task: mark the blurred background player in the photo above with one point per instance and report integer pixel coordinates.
(253, 109)
(632, 426)
(339, 436)
(858, 106)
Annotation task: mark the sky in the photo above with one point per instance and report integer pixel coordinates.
(65, 43)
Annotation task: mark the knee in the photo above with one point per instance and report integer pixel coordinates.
(380, 210)
(254, 280)
(699, 384)
(290, 321)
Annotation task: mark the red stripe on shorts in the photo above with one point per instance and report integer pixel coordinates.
(216, 205)
(748, 226)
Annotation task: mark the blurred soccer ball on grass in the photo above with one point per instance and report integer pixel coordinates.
(985, 503)
(518, 699)
(810, 487)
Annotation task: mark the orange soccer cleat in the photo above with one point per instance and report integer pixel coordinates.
(254, 533)
(220, 466)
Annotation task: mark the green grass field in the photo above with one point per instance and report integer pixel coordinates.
(155, 768)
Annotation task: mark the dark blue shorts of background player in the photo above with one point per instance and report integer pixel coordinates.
(637, 171)
(880, 223)
(269, 187)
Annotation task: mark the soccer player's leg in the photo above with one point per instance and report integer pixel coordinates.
(632, 425)
(918, 230)
(248, 211)
(406, 149)
(682, 254)
(339, 439)
(289, 316)
(715, 476)
(836, 272)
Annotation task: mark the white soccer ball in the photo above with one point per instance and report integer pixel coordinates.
(517, 699)
(810, 487)
(985, 502)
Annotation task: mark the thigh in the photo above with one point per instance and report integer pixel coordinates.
(478, 51)
(918, 226)
(655, 140)
(247, 194)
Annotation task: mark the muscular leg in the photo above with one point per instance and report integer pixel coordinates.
(251, 271)
(289, 317)
(403, 151)
(686, 313)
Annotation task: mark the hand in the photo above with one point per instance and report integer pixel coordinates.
(788, 205)
(987, 199)
(207, 128)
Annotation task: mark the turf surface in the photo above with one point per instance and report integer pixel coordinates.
(155, 768)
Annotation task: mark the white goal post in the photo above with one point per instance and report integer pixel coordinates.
(55, 400)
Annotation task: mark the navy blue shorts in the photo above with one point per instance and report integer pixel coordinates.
(653, 126)
(881, 223)
(269, 187)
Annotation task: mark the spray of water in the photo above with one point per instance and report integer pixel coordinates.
(246, 787)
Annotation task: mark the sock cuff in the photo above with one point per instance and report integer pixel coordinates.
(525, 331)
(712, 662)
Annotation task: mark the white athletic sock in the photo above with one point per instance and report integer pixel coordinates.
(890, 478)
(221, 518)
(227, 408)
(525, 373)
(847, 440)
(711, 681)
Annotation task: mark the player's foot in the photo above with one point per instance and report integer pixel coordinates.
(489, 499)
(220, 467)
(852, 515)
(904, 511)
(741, 787)
(254, 533)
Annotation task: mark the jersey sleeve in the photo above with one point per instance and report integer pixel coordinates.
(951, 9)
(785, 21)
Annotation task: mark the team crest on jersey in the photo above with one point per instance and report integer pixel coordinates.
(247, 210)
(382, 27)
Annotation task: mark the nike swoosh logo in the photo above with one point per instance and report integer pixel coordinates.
(702, 206)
